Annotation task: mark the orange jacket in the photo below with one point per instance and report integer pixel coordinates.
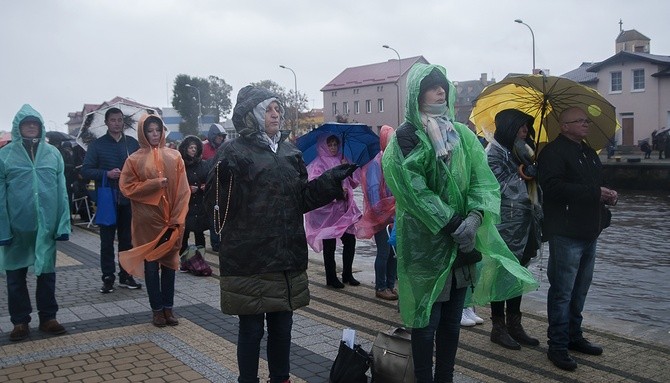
(155, 208)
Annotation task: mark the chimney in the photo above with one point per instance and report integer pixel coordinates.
(483, 79)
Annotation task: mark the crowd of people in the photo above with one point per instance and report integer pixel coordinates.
(467, 221)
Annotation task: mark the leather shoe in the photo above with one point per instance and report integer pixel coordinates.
(20, 332)
(386, 294)
(52, 327)
(585, 347)
(562, 360)
(350, 280)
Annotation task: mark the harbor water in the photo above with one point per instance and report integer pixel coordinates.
(631, 282)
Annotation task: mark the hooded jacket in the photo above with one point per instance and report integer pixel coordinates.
(155, 209)
(429, 193)
(378, 202)
(196, 173)
(209, 148)
(34, 207)
(339, 216)
(263, 251)
(520, 210)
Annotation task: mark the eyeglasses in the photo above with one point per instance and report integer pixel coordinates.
(580, 121)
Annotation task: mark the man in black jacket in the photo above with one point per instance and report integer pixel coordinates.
(107, 154)
(571, 178)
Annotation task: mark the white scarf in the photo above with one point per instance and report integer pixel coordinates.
(439, 129)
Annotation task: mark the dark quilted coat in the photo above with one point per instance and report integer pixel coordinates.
(263, 252)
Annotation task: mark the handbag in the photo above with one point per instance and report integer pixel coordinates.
(105, 210)
(193, 262)
(350, 365)
(392, 357)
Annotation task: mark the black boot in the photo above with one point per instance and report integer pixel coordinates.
(500, 336)
(516, 331)
(329, 264)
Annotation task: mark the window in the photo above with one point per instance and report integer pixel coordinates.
(333, 94)
(616, 82)
(380, 105)
(638, 79)
(368, 106)
(345, 108)
(380, 88)
(334, 109)
(356, 91)
(357, 108)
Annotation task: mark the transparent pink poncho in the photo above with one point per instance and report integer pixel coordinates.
(339, 216)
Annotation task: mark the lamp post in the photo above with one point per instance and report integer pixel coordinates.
(295, 84)
(397, 84)
(533, 36)
(199, 105)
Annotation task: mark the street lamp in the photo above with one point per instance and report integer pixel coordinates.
(533, 36)
(397, 84)
(199, 105)
(295, 83)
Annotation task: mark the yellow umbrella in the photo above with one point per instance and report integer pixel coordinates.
(545, 97)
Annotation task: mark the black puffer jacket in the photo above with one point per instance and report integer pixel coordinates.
(196, 172)
(263, 252)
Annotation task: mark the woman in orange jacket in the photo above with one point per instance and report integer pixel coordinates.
(154, 179)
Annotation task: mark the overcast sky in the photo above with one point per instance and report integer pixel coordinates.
(57, 55)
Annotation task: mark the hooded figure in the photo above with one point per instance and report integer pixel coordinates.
(510, 157)
(157, 210)
(429, 193)
(215, 137)
(34, 214)
(447, 204)
(257, 193)
(196, 173)
(34, 209)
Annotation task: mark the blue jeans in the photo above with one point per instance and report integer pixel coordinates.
(443, 330)
(278, 346)
(385, 262)
(107, 234)
(570, 270)
(18, 298)
(160, 286)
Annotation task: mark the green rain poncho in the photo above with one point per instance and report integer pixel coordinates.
(34, 208)
(428, 193)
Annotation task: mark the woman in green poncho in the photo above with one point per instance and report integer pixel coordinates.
(447, 203)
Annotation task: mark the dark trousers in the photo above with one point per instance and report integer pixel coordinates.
(18, 298)
(443, 330)
(160, 285)
(278, 345)
(348, 251)
(107, 234)
(385, 263)
(199, 239)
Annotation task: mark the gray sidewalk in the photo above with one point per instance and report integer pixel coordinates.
(110, 337)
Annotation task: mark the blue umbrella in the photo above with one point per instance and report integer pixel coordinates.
(359, 143)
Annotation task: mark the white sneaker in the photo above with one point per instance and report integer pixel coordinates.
(466, 321)
(470, 312)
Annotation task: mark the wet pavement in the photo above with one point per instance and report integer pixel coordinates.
(110, 337)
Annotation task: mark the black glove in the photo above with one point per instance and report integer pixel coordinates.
(523, 152)
(340, 172)
(530, 170)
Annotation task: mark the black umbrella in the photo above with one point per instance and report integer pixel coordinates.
(56, 138)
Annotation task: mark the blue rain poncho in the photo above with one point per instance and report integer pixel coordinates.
(429, 192)
(34, 208)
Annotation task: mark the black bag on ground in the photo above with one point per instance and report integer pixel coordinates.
(392, 357)
(350, 365)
